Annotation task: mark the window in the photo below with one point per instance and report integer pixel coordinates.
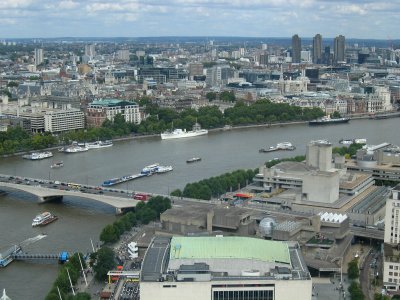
(390, 267)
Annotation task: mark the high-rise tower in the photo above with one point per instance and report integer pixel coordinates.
(38, 56)
(338, 50)
(296, 48)
(317, 49)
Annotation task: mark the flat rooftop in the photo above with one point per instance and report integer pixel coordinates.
(222, 258)
(229, 248)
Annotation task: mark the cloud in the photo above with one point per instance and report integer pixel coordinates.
(199, 17)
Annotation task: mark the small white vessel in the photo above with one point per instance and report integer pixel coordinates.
(180, 133)
(151, 169)
(43, 219)
(5, 297)
(99, 144)
(74, 148)
(38, 155)
(164, 169)
(57, 165)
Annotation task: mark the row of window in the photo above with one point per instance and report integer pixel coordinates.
(244, 295)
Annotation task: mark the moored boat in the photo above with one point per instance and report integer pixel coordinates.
(182, 133)
(38, 155)
(280, 146)
(328, 121)
(99, 144)
(43, 219)
(151, 169)
(74, 148)
(164, 169)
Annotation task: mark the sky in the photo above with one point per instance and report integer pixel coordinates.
(373, 19)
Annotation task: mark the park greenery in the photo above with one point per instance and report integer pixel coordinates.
(355, 291)
(347, 152)
(216, 186)
(144, 213)
(273, 162)
(159, 120)
(62, 283)
(105, 261)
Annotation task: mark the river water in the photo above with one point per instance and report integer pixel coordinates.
(81, 220)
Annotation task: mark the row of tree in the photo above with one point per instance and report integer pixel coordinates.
(143, 214)
(216, 186)
(272, 163)
(353, 273)
(62, 283)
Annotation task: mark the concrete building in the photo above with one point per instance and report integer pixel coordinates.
(195, 69)
(296, 48)
(123, 55)
(317, 49)
(38, 56)
(63, 120)
(90, 51)
(200, 219)
(339, 46)
(218, 268)
(100, 110)
(391, 255)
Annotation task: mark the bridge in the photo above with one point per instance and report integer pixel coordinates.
(367, 232)
(47, 191)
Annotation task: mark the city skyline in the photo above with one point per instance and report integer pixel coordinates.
(138, 18)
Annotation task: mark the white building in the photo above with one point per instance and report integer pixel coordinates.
(219, 268)
(90, 51)
(391, 255)
(379, 101)
(38, 56)
(64, 120)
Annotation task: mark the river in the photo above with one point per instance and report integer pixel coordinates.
(81, 220)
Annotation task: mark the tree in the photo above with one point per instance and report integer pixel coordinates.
(109, 234)
(336, 115)
(211, 96)
(105, 262)
(352, 269)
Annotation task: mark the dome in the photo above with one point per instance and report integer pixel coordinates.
(266, 226)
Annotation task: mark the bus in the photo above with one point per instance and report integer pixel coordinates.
(74, 186)
(141, 196)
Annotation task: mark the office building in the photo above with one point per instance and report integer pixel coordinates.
(296, 49)
(64, 120)
(317, 49)
(38, 56)
(391, 255)
(220, 268)
(339, 43)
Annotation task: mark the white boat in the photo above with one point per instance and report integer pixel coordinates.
(360, 141)
(151, 169)
(43, 219)
(57, 165)
(180, 133)
(75, 149)
(99, 144)
(38, 155)
(164, 169)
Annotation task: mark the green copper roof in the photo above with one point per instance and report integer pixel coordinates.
(229, 247)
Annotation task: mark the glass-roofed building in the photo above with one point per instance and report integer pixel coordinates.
(223, 268)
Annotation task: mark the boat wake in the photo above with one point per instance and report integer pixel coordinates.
(33, 240)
